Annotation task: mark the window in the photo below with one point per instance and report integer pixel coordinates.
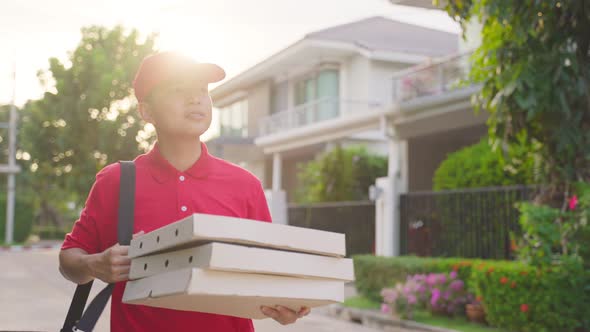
(233, 119)
(321, 86)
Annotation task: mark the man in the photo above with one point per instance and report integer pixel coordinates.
(177, 178)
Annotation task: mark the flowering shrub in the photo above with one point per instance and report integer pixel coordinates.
(440, 292)
(404, 298)
(373, 273)
(556, 235)
(520, 297)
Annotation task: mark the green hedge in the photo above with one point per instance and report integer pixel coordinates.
(519, 297)
(23, 218)
(478, 166)
(375, 273)
(556, 299)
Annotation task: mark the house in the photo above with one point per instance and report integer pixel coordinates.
(334, 86)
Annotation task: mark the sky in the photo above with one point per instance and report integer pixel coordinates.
(235, 34)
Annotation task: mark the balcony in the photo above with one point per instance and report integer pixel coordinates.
(316, 111)
(436, 78)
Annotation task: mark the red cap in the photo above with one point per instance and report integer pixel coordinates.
(161, 67)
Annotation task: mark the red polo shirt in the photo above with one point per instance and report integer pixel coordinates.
(164, 195)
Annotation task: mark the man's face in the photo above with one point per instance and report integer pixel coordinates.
(179, 108)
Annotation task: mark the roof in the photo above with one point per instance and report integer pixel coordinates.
(378, 38)
(383, 34)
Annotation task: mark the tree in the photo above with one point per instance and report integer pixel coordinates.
(86, 120)
(534, 67)
(340, 175)
(534, 64)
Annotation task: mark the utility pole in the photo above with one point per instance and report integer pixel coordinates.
(12, 168)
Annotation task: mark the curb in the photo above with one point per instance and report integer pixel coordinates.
(376, 319)
(32, 247)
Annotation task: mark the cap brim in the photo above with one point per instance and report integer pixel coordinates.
(209, 72)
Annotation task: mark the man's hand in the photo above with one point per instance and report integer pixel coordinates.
(112, 265)
(284, 315)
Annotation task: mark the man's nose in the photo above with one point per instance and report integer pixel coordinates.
(194, 98)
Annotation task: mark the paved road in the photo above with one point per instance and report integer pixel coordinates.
(34, 297)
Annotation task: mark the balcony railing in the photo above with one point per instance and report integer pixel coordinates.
(313, 112)
(435, 78)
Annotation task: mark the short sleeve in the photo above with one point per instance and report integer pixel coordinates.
(91, 229)
(258, 206)
(84, 234)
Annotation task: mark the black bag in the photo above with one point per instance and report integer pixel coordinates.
(77, 319)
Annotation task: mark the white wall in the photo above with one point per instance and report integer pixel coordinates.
(356, 75)
(380, 81)
(368, 80)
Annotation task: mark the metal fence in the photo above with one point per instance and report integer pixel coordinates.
(354, 219)
(474, 223)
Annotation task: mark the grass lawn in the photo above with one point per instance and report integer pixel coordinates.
(425, 317)
(361, 302)
(457, 323)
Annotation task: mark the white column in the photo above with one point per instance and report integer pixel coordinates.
(381, 201)
(276, 171)
(277, 197)
(387, 223)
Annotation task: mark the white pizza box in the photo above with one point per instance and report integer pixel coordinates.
(230, 293)
(238, 258)
(199, 229)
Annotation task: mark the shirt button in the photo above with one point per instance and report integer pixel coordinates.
(181, 178)
(183, 208)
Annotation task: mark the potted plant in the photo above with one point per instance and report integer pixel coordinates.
(475, 311)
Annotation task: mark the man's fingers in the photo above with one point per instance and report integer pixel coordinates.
(121, 260)
(122, 250)
(269, 312)
(303, 312)
(122, 277)
(138, 234)
(287, 316)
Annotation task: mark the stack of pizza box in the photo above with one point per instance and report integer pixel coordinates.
(233, 266)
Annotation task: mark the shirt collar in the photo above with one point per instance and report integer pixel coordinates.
(163, 171)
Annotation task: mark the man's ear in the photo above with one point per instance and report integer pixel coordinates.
(145, 111)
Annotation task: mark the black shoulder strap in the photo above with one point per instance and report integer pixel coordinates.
(75, 320)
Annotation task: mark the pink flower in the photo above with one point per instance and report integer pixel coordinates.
(446, 295)
(389, 295)
(421, 289)
(453, 274)
(457, 285)
(412, 299)
(431, 279)
(385, 308)
(573, 202)
(435, 296)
